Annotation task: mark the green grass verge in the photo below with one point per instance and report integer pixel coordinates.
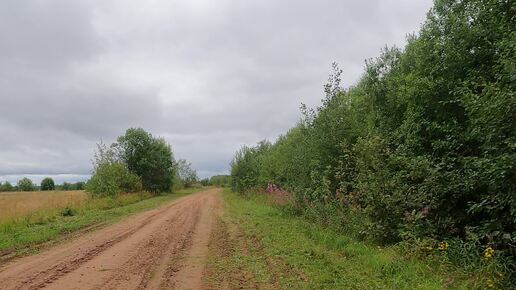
(261, 245)
(20, 235)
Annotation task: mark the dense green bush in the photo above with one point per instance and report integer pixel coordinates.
(148, 157)
(47, 184)
(113, 178)
(25, 184)
(424, 144)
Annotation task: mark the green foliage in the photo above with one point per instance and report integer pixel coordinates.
(277, 250)
(66, 186)
(112, 179)
(186, 174)
(246, 166)
(148, 157)
(220, 180)
(6, 186)
(138, 161)
(205, 181)
(80, 185)
(47, 184)
(424, 145)
(25, 184)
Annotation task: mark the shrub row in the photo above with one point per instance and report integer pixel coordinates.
(424, 145)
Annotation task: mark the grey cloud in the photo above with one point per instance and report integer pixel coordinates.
(209, 76)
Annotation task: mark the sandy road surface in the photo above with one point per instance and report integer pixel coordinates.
(164, 248)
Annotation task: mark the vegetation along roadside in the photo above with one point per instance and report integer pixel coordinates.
(420, 153)
(261, 245)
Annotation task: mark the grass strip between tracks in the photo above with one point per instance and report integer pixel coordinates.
(28, 234)
(259, 245)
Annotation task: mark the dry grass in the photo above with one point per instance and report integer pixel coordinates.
(15, 205)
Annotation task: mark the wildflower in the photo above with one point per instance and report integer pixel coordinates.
(488, 252)
(443, 246)
(429, 248)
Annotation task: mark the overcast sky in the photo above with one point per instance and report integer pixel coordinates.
(208, 76)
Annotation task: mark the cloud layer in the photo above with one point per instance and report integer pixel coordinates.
(209, 76)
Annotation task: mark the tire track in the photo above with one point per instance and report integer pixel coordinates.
(140, 252)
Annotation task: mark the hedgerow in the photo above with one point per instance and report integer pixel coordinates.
(423, 144)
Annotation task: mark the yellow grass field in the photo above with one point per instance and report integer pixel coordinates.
(22, 204)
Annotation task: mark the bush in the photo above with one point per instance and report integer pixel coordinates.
(47, 184)
(25, 184)
(112, 179)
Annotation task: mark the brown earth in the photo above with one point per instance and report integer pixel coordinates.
(164, 248)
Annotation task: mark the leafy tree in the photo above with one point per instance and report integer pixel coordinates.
(148, 157)
(6, 186)
(67, 186)
(80, 185)
(25, 184)
(47, 184)
(186, 174)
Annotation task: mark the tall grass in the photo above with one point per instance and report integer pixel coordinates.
(31, 204)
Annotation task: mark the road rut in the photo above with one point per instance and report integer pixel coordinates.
(164, 248)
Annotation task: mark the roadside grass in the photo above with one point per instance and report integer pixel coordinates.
(267, 247)
(23, 234)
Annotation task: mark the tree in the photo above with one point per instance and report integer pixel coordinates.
(80, 185)
(66, 186)
(25, 184)
(47, 184)
(220, 180)
(148, 157)
(186, 173)
(6, 186)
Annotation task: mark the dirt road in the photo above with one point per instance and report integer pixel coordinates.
(165, 248)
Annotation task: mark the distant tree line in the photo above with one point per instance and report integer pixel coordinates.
(422, 148)
(26, 184)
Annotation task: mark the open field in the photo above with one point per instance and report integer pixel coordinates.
(20, 204)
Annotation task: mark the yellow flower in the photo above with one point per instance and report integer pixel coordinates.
(443, 246)
(488, 252)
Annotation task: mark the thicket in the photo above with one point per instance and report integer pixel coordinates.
(422, 148)
(137, 161)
